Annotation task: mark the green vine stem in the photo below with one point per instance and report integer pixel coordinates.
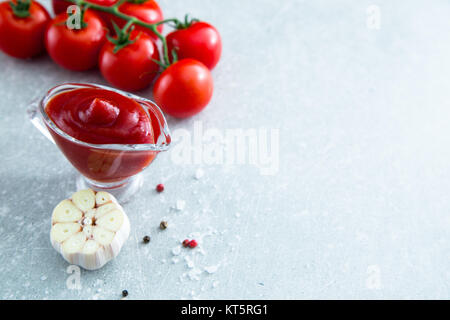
(114, 10)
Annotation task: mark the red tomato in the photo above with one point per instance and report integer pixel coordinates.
(148, 11)
(23, 37)
(60, 6)
(131, 68)
(184, 88)
(76, 50)
(200, 41)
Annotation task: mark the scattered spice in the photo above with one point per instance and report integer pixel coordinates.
(163, 225)
(124, 293)
(160, 187)
(146, 239)
(192, 244)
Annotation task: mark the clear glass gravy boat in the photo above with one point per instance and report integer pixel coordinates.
(115, 168)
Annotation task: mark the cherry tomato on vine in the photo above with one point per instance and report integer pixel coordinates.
(196, 40)
(130, 67)
(22, 28)
(75, 49)
(184, 88)
(145, 10)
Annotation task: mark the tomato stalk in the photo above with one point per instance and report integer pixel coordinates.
(186, 24)
(123, 36)
(114, 10)
(82, 21)
(21, 8)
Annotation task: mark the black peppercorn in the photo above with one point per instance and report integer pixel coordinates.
(146, 239)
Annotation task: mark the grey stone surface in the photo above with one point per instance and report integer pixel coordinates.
(359, 207)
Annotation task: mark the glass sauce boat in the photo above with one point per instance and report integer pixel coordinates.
(115, 168)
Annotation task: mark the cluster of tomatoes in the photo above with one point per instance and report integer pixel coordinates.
(125, 52)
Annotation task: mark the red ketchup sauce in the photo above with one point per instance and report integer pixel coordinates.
(100, 116)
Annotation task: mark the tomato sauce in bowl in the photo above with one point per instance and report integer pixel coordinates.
(100, 116)
(107, 135)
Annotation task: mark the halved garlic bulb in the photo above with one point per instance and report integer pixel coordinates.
(89, 229)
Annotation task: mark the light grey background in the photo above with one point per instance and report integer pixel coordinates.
(360, 206)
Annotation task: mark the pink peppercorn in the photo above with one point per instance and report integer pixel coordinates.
(192, 244)
(160, 187)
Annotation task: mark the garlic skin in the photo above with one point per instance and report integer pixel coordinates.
(89, 229)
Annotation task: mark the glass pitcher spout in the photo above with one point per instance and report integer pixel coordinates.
(37, 121)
